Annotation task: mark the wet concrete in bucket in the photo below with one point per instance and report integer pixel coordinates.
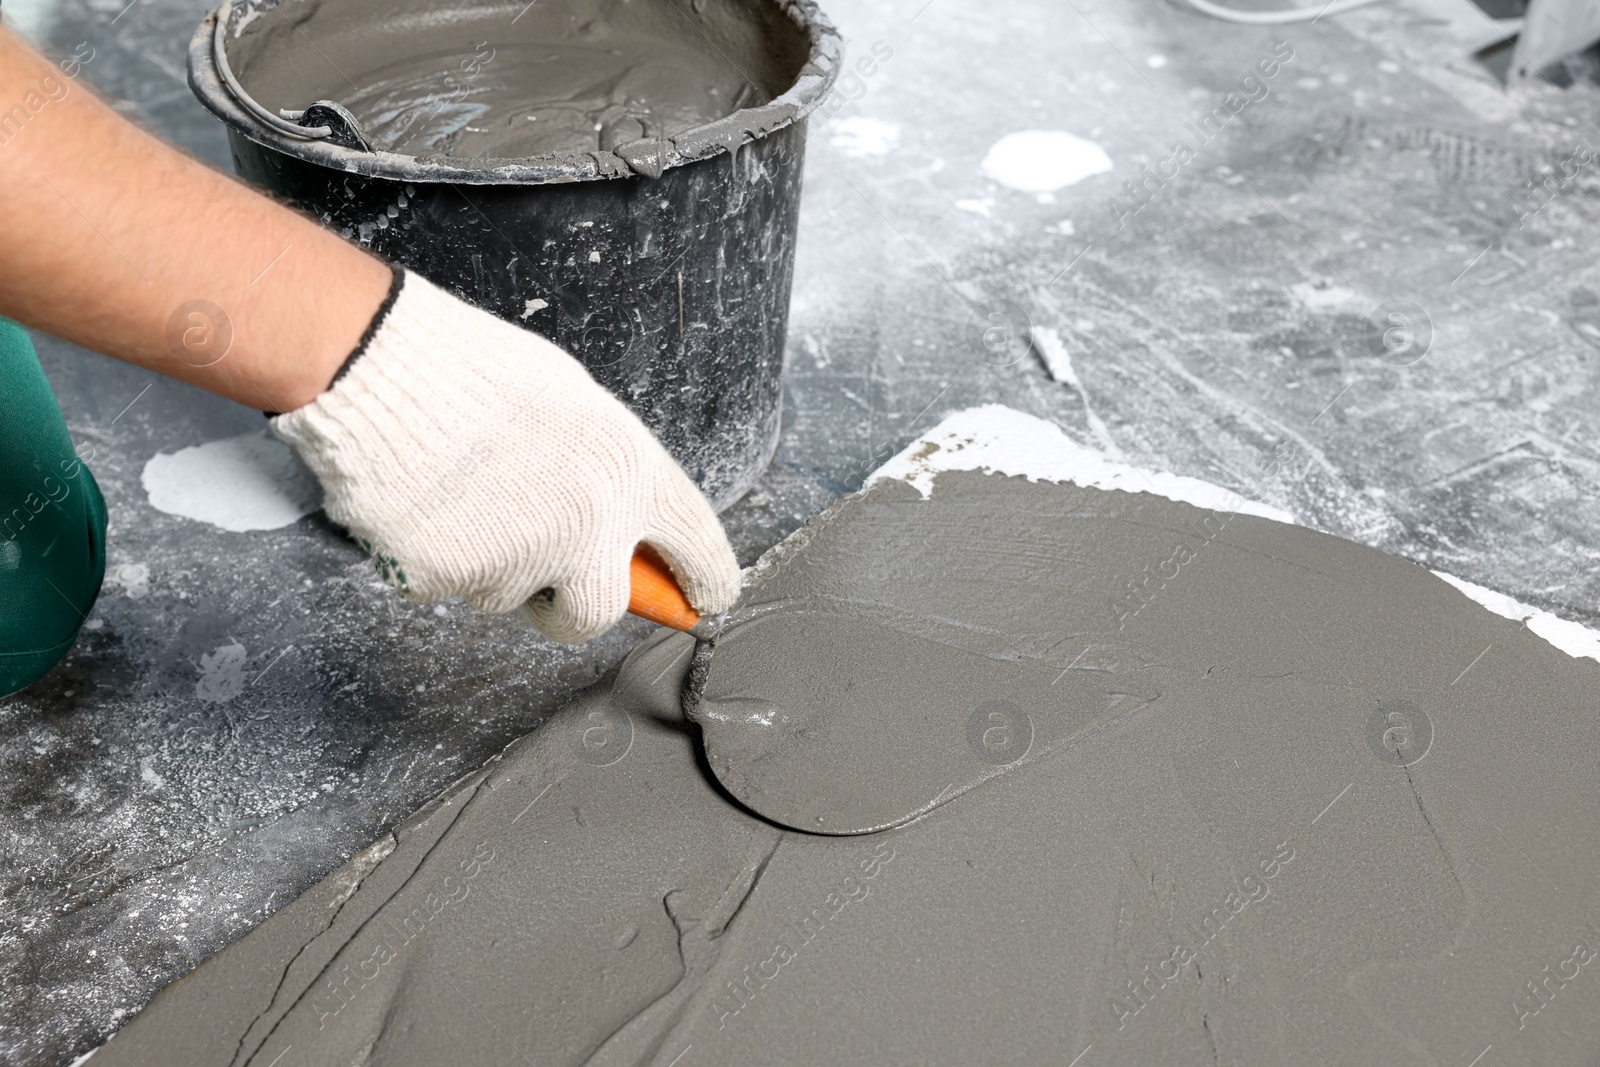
(516, 80)
(1253, 811)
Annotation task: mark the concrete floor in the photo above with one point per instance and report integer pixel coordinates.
(152, 811)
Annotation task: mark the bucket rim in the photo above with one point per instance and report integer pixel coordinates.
(643, 158)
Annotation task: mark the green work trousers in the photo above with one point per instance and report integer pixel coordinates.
(52, 522)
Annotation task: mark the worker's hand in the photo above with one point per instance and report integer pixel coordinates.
(476, 459)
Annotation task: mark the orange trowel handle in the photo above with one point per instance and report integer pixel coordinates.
(656, 595)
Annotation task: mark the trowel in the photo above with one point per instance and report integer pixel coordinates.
(655, 595)
(856, 672)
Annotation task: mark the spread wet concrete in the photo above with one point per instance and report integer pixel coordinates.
(1257, 813)
(247, 711)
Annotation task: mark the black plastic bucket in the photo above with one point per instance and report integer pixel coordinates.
(664, 264)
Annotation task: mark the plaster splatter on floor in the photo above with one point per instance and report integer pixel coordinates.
(1058, 361)
(1042, 161)
(1002, 440)
(250, 482)
(860, 136)
(1328, 297)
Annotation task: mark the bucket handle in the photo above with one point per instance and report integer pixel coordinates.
(219, 57)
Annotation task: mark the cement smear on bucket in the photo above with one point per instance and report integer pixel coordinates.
(503, 81)
(1290, 779)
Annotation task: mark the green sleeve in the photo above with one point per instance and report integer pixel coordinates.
(52, 522)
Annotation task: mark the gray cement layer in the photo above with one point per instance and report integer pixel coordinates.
(1295, 799)
(514, 80)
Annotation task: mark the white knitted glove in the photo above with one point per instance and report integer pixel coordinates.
(476, 459)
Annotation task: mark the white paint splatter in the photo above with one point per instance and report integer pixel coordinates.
(1058, 361)
(1002, 440)
(533, 305)
(1042, 161)
(1006, 441)
(1065, 228)
(1155, 62)
(1325, 297)
(148, 775)
(861, 136)
(251, 482)
(1053, 350)
(221, 673)
(977, 207)
(35, 19)
(134, 579)
(1570, 637)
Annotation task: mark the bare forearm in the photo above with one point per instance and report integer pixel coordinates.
(115, 241)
